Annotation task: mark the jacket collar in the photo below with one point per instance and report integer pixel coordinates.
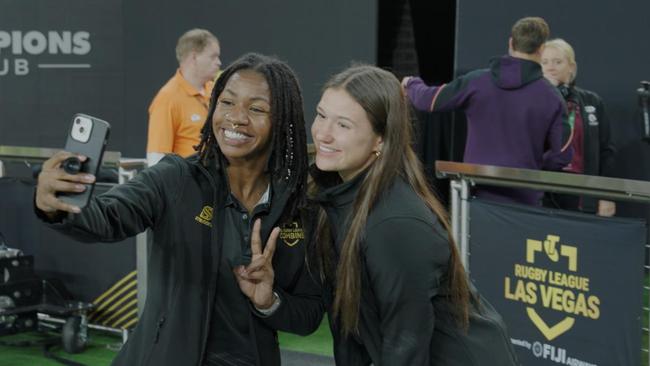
(332, 190)
(216, 175)
(189, 88)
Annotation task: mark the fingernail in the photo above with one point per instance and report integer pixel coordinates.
(76, 209)
(88, 178)
(80, 187)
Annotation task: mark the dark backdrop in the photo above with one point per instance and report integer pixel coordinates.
(609, 39)
(132, 56)
(612, 52)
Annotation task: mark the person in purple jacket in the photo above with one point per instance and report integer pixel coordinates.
(515, 117)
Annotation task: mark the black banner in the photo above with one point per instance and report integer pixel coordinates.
(569, 286)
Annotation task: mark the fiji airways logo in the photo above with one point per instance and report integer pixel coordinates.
(17, 46)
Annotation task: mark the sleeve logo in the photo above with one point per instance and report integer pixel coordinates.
(205, 217)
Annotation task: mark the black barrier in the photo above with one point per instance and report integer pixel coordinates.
(89, 272)
(568, 285)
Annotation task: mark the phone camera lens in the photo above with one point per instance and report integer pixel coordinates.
(77, 121)
(81, 129)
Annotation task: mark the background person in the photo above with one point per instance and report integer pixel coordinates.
(202, 307)
(593, 151)
(177, 113)
(396, 291)
(514, 117)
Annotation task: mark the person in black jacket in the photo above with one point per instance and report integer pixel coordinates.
(205, 304)
(591, 139)
(395, 289)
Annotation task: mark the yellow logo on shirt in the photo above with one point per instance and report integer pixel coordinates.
(292, 233)
(205, 217)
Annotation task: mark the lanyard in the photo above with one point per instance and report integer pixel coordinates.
(572, 118)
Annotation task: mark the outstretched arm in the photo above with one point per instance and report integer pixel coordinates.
(124, 211)
(441, 98)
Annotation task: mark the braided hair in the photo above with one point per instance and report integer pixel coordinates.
(288, 161)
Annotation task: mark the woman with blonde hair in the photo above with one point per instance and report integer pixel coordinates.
(593, 151)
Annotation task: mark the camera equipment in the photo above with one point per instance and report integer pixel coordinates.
(644, 97)
(23, 295)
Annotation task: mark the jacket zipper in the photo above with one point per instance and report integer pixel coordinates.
(213, 279)
(213, 285)
(161, 322)
(156, 338)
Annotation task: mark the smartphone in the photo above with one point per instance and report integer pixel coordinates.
(87, 136)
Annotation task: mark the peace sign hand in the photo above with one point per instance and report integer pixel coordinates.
(256, 279)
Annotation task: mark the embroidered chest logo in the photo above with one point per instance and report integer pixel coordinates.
(195, 117)
(205, 217)
(591, 115)
(292, 233)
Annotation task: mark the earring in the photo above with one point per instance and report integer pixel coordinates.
(377, 153)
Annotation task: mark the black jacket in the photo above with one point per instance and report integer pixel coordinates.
(598, 147)
(405, 314)
(176, 198)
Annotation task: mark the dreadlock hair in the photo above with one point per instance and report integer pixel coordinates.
(380, 94)
(288, 161)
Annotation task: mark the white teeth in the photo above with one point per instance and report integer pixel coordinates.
(234, 135)
(325, 149)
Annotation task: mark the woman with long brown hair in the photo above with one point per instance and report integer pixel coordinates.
(395, 288)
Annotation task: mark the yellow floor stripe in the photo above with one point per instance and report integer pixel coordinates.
(118, 284)
(130, 324)
(97, 316)
(134, 312)
(109, 300)
(126, 307)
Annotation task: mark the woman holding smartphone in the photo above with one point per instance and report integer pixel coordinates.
(215, 294)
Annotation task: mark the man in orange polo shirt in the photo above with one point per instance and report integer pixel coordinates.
(178, 111)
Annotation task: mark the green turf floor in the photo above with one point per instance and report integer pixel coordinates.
(319, 342)
(99, 352)
(102, 348)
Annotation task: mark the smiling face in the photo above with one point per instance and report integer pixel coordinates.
(343, 136)
(242, 118)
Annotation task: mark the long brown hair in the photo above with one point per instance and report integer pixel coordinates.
(381, 96)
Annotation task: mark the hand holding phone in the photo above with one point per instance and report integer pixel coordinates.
(53, 180)
(88, 137)
(67, 179)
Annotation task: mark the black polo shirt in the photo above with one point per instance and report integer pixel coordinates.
(230, 341)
